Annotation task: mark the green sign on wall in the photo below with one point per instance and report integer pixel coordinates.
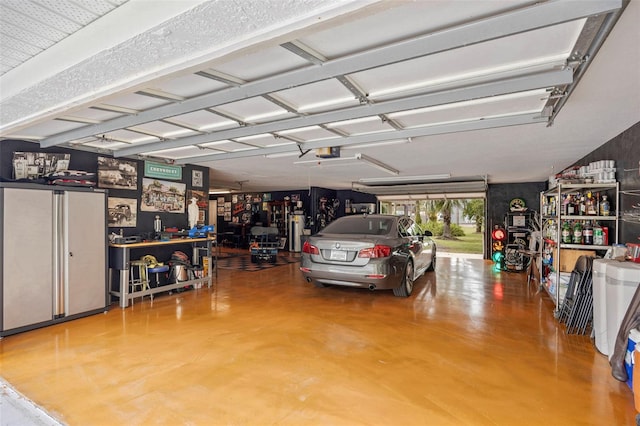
(162, 171)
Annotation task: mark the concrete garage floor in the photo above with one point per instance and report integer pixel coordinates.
(470, 346)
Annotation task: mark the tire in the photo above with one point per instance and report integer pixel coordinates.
(406, 287)
(432, 267)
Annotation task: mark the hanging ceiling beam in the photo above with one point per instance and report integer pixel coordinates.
(529, 18)
(496, 88)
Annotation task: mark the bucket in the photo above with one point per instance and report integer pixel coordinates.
(180, 272)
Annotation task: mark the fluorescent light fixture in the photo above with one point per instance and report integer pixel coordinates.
(377, 164)
(222, 142)
(399, 179)
(219, 191)
(499, 98)
(266, 115)
(353, 121)
(329, 103)
(298, 130)
(253, 137)
(223, 123)
(376, 144)
(282, 154)
(544, 62)
(349, 161)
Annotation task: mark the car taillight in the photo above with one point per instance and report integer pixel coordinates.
(308, 248)
(375, 252)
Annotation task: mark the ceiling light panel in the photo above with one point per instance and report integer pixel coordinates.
(164, 129)
(95, 114)
(129, 137)
(104, 144)
(204, 121)
(318, 97)
(254, 110)
(262, 140)
(492, 107)
(362, 126)
(308, 134)
(547, 48)
(189, 85)
(182, 152)
(356, 35)
(134, 101)
(261, 64)
(224, 145)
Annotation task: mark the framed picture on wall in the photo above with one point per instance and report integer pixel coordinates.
(162, 196)
(117, 174)
(196, 178)
(123, 212)
(35, 165)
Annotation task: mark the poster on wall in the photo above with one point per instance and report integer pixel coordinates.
(117, 174)
(201, 201)
(123, 212)
(35, 165)
(197, 178)
(162, 196)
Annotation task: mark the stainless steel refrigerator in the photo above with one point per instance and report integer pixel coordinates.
(53, 255)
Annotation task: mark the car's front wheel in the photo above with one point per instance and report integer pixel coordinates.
(432, 266)
(406, 287)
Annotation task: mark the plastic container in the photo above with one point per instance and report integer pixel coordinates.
(622, 279)
(634, 252)
(600, 304)
(629, 357)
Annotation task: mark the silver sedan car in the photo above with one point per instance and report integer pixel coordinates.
(377, 252)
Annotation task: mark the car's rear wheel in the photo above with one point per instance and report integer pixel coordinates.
(432, 267)
(406, 287)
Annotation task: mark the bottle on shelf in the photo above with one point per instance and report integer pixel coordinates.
(582, 210)
(598, 235)
(587, 233)
(605, 207)
(571, 205)
(577, 232)
(590, 205)
(566, 232)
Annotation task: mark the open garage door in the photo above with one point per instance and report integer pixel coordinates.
(455, 212)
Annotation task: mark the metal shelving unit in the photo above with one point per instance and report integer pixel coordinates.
(611, 189)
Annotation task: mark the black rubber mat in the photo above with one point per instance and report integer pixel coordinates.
(243, 262)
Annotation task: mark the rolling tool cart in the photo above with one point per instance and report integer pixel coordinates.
(264, 244)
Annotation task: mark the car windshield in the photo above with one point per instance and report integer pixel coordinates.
(360, 225)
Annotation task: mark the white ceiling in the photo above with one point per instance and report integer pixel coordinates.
(510, 91)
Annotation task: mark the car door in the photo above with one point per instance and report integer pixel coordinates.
(407, 230)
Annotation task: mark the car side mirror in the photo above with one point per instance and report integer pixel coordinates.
(427, 233)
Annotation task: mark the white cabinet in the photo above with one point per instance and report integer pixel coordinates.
(564, 221)
(53, 255)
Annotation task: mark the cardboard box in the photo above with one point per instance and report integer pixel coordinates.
(568, 258)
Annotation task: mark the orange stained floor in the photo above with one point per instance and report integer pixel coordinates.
(469, 347)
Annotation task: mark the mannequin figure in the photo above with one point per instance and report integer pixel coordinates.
(192, 212)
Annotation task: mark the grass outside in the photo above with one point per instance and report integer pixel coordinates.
(470, 243)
